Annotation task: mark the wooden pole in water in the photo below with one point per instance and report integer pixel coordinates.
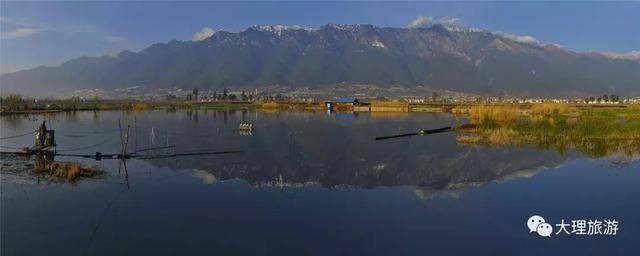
(121, 138)
(121, 145)
(135, 122)
(124, 157)
(126, 142)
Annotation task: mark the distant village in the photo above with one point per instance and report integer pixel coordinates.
(351, 96)
(364, 93)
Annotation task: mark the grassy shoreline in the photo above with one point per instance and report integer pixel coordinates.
(594, 131)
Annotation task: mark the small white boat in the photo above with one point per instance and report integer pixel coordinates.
(245, 127)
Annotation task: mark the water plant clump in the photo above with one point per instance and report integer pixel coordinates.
(67, 170)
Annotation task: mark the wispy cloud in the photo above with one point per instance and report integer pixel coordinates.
(26, 28)
(426, 21)
(205, 33)
(19, 33)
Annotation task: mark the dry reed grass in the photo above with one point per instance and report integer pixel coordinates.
(142, 107)
(551, 108)
(269, 105)
(392, 104)
(68, 170)
(468, 138)
(503, 136)
(460, 110)
(500, 113)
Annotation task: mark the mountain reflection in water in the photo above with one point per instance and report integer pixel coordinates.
(294, 149)
(302, 148)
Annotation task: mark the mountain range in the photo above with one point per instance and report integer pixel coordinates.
(441, 57)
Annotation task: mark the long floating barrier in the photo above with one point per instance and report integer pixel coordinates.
(432, 131)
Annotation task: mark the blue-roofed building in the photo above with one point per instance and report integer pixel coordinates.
(347, 100)
(341, 103)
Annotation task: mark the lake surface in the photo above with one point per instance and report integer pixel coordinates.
(307, 184)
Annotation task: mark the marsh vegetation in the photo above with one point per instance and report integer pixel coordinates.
(594, 131)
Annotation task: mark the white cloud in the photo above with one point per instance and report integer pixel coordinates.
(632, 55)
(450, 21)
(520, 39)
(205, 33)
(422, 21)
(426, 21)
(19, 33)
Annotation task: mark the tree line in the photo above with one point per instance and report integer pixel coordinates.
(222, 96)
(603, 98)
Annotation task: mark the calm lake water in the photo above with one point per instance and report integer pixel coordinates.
(308, 184)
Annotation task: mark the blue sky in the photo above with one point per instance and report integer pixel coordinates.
(45, 33)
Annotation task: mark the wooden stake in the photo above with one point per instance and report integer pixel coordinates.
(126, 142)
(121, 138)
(135, 122)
